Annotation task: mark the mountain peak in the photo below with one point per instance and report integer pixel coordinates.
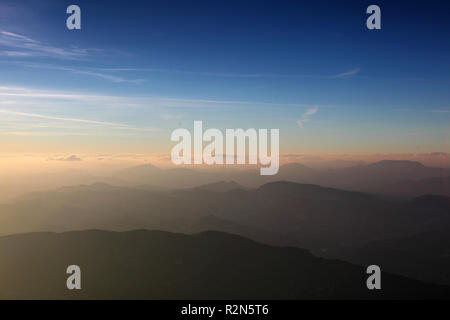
(396, 164)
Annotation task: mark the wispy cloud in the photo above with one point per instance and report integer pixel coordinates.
(87, 72)
(69, 158)
(18, 45)
(22, 46)
(201, 73)
(209, 102)
(346, 74)
(305, 116)
(104, 76)
(85, 121)
(22, 92)
(16, 54)
(17, 36)
(31, 96)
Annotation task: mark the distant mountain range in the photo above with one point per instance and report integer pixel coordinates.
(400, 179)
(393, 177)
(316, 216)
(329, 222)
(161, 265)
(396, 209)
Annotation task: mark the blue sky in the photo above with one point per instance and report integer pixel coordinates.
(139, 69)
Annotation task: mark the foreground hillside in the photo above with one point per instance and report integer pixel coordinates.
(161, 265)
(424, 256)
(318, 218)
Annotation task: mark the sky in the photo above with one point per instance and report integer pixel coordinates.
(137, 70)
